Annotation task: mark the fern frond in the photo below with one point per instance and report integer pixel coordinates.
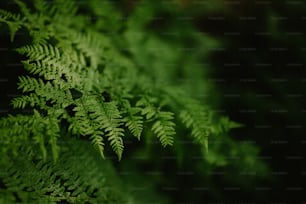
(55, 93)
(164, 128)
(88, 44)
(28, 84)
(45, 61)
(98, 118)
(52, 129)
(6, 15)
(67, 69)
(134, 122)
(38, 134)
(15, 130)
(108, 116)
(14, 22)
(97, 141)
(148, 108)
(32, 99)
(194, 115)
(83, 124)
(40, 51)
(31, 180)
(197, 117)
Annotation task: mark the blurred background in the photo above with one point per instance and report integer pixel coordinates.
(261, 71)
(252, 56)
(246, 60)
(253, 59)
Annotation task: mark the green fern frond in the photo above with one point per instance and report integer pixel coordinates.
(134, 122)
(32, 99)
(88, 44)
(97, 141)
(14, 130)
(28, 84)
(14, 22)
(83, 124)
(6, 15)
(194, 115)
(53, 131)
(41, 130)
(148, 108)
(31, 180)
(109, 118)
(197, 122)
(198, 119)
(95, 117)
(44, 60)
(40, 51)
(164, 128)
(163, 125)
(52, 92)
(67, 69)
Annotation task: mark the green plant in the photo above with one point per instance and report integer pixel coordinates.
(90, 81)
(29, 179)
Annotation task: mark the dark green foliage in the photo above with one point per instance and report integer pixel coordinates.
(32, 130)
(100, 81)
(75, 178)
(86, 61)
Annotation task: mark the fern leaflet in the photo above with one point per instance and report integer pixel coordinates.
(164, 128)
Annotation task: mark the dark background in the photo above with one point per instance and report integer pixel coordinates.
(262, 67)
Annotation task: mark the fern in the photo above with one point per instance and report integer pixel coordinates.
(86, 62)
(83, 124)
(80, 82)
(148, 108)
(133, 121)
(197, 119)
(16, 130)
(164, 128)
(14, 22)
(108, 118)
(39, 52)
(65, 181)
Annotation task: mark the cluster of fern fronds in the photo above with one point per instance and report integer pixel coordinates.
(78, 75)
(90, 79)
(29, 179)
